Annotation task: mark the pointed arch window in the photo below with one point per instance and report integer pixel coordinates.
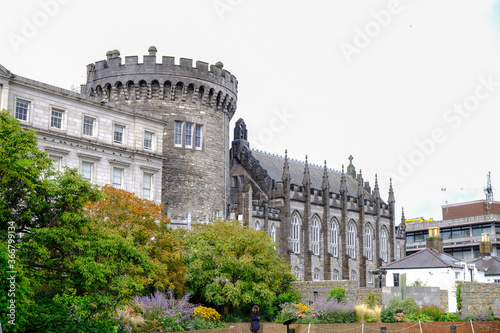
(295, 234)
(315, 236)
(354, 275)
(398, 251)
(368, 242)
(272, 232)
(351, 240)
(317, 274)
(334, 239)
(296, 271)
(257, 225)
(336, 275)
(383, 244)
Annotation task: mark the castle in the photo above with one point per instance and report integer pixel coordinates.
(161, 130)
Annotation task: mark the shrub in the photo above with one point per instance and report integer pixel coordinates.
(336, 293)
(416, 317)
(387, 316)
(432, 311)
(332, 311)
(449, 317)
(458, 296)
(373, 299)
(366, 314)
(406, 305)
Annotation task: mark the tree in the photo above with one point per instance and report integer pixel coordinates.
(231, 265)
(145, 224)
(24, 171)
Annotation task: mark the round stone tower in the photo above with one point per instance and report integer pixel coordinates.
(196, 105)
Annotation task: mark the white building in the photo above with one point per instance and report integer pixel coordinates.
(106, 144)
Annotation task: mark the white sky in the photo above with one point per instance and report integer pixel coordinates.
(310, 79)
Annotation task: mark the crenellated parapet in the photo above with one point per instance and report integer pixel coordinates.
(167, 82)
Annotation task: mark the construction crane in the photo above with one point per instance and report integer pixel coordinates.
(488, 190)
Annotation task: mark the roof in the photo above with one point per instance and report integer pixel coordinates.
(426, 258)
(274, 166)
(490, 265)
(5, 72)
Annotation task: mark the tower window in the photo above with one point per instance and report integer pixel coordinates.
(178, 134)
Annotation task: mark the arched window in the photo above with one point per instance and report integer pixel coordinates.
(354, 275)
(351, 240)
(295, 234)
(368, 242)
(317, 274)
(257, 225)
(296, 271)
(272, 232)
(336, 275)
(315, 236)
(334, 239)
(383, 244)
(398, 251)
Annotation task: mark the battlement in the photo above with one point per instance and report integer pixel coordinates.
(112, 70)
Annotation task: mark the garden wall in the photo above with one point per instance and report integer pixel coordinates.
(308, 291)
(422, 295)
(479, 297)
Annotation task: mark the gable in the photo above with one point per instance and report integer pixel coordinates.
(427, 258)
(4, 72)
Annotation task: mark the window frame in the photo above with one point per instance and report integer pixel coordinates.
(122, 139)
(198, 137)
(315, 236)
(91, 164)
(188, 135)
(295, 233)
(383, 244)
(122, 177)
(62, 119)
(368, 242)
(395, 279)
(27, 109)
(150, 141)
(316, 274)
(351, 240)
(178, 133)
(334, 239)
(93, 127)
(144, 188)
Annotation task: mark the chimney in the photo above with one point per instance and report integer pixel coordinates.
(485, 247)
(434, 241)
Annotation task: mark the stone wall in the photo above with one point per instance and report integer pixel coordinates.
(422, 295)
(308, 291)
(479, 297)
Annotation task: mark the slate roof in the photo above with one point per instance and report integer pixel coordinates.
(426, 258)
(274, 166)
(490, 265)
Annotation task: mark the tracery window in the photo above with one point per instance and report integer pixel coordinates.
(351, 240)
(315, 236)
(295, 234)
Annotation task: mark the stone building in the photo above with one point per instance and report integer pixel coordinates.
(328, 225)
(195, 105)
(107, 144)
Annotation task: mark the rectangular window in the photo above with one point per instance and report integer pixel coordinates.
(56, 162)
(396, 279)
(117, 181)
(118, 133)
(87, 170)
(197, 140)
(457, 276)
(22, 108)
(178, 134)
(148, 140)
(189, 135)
(56, 119)
(88, 126)
(147, 182)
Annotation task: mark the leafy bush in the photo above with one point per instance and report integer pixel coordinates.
(406, 305)
(418, 283)
(432, 311)
(387, 316)
(337, 294)
(321, 311)
(373, 299)
(416, 317)
(449, 317)
(458, 296)
(200, 324)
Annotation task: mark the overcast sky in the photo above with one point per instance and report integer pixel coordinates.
(411, 89)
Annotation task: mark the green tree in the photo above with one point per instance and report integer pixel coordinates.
(24, 172)
(231, 265)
